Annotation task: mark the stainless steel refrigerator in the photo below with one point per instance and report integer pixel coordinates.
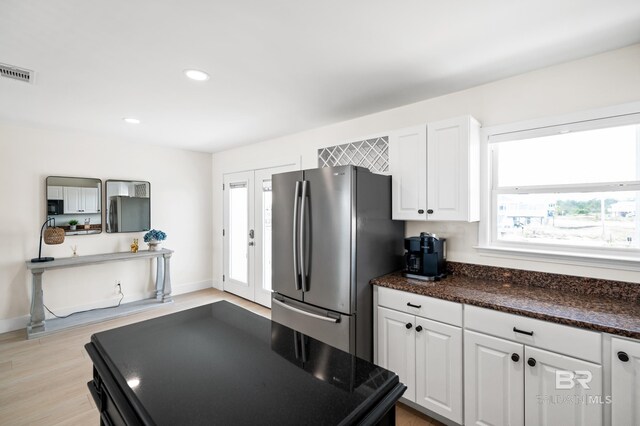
(128, 214)
(332, 233)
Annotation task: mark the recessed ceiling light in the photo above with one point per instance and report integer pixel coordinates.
(196, 75)
(131, 120)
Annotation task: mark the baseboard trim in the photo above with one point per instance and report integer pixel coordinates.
(16, 323)
(190, 287)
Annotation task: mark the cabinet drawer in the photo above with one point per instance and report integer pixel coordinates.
(424, 306)
(563, 339)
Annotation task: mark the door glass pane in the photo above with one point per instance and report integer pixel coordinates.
(266, 234)
(238, 229)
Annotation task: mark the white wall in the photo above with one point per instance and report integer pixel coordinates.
(180, 205)
(598, 81)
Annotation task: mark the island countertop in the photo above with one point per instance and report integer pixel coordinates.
(221, 364)
(588, 308)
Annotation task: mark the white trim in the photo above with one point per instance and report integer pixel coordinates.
(191, 287)
(295, 161)
(627, 263)
(570, 188)
(16, 323)
(584, 256)
(576, 117)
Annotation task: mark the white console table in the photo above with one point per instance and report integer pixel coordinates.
(37, 327)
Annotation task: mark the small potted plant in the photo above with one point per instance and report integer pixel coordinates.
(72, 224)
(153, 238)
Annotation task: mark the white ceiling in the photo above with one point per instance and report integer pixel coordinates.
(278, 66)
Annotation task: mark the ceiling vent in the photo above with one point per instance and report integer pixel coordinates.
(16, 73)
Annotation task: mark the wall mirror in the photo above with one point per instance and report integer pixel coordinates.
(128, 206)
(75, 203)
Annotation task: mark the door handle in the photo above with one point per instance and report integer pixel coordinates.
(303, 211)
(296, 270)
(528, 333)
(303, 312)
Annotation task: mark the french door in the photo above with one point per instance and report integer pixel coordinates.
(247, 233)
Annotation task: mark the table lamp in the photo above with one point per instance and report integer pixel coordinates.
(52, 235)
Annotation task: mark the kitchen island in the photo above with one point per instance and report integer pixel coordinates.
(221, 364)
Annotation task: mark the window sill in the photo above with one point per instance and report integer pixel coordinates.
(629, 263)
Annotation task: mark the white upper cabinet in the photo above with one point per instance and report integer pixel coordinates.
(91, 200)
(453, 169)
(54, 193)
(435, 171)
(81, 200)
(407, 163)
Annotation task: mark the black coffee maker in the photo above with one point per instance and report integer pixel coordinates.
(425, 257)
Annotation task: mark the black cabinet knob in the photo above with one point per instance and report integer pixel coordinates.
(430, 211)
(515, 357)
(622, 356)
(420, 211)
(419, 328)
(409, 325)
(531, 362)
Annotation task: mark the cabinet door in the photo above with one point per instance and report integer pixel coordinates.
(494, 385)
(439, 368)
(565, 402)
(453, 165)
(408, 166)
(72, 199)
(90, 198)
(397, 347)
(625, 382)
(54, 193)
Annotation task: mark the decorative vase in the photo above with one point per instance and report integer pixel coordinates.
(153, 245)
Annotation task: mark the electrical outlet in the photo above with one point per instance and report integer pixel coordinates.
(118, 288)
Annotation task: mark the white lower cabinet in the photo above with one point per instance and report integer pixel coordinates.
(573, 399)
(397, 347)
(427, 356)
(439, 368)
(625, 382)
(494, 380)
(517, 370)
(508, 383)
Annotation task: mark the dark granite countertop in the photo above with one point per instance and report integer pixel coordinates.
(617, 313)
(220, 364)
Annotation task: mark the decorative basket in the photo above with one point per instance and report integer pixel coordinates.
(54, 236)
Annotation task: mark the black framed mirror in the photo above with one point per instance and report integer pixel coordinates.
(75, 203)
(127, 206)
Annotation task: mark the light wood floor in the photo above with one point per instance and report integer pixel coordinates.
(44, 381)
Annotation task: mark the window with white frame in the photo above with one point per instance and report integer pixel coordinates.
(571, 188)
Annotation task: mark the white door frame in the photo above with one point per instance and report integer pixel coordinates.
(252, 290)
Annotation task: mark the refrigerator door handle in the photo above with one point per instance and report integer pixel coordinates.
(303, 312)
(303, 208)
(296, 269)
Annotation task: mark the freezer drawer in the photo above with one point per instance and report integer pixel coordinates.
(332, 328)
